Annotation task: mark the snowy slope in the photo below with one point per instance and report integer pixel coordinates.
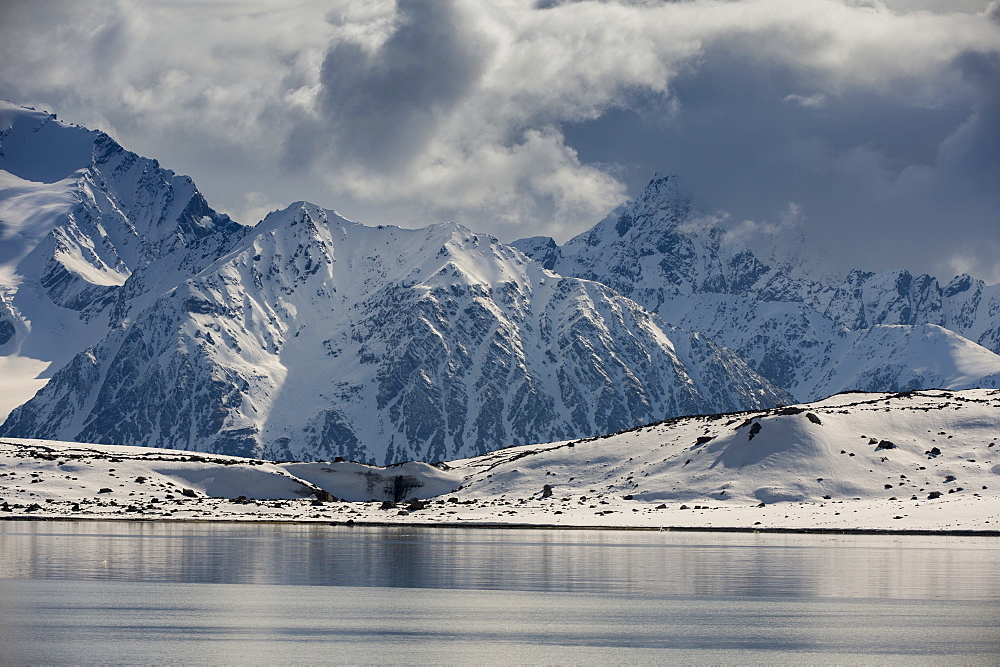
(810, 355)
(849, 445)
(88, 473)
(864, 299)
(810, 337)
(919, 460)
(80, 217)
(903, 358)
(318, 337)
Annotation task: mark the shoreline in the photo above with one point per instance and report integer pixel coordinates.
(637, 481)
(529, 526)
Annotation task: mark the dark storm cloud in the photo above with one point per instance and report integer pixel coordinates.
(955, 201)
(993, 11)
(380, 107)
(877, 172)
(974, 149)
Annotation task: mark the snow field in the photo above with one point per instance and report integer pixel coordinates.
(916, 461)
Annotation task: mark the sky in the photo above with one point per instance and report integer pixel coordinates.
(868, 128)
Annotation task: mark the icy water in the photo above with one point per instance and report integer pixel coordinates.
(223, 593)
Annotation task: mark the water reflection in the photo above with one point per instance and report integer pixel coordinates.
(65, 621)
(620, 563)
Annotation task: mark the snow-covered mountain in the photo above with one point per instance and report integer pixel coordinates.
(164, 323)
(878, 332)
(318, 337)
(81, 221)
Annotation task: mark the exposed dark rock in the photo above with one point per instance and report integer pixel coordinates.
(398, 486)
(7, 331)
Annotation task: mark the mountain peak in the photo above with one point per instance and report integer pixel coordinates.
(82, 217)
(660, 208)
(303, 211)
(959, 284)
(660, 187)
(542, 249)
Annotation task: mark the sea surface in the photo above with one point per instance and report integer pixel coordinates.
(124, 592)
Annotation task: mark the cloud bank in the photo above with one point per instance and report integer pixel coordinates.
(879, 122)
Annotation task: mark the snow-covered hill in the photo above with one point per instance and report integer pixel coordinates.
(925, 460)
(849, 446)
(319, 337)
(811, 337)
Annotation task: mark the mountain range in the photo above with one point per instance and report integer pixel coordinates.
(137, 314)
(889, 331)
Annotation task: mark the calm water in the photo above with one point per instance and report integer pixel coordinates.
(189, 593)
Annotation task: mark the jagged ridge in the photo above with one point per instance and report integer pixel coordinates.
(810, 337)
(320, 337)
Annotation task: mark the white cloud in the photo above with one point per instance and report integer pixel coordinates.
(423, 111)
(814, 101)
